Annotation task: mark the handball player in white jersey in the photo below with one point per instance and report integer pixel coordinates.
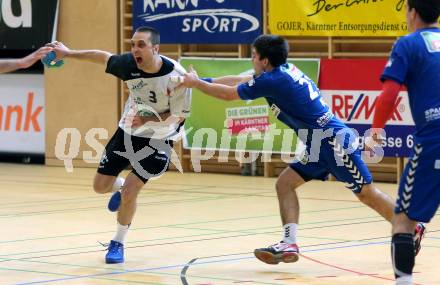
(151, 120)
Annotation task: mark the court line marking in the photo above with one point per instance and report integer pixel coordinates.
(178, 201)
(179, 242)
(184, 224)
(112, 268)
(186, 268)
(346, 269)
(120, 272)
(75, 277)
(148, 193)
(310, 250)
(183, 272)
(192, 262)
(85, 209)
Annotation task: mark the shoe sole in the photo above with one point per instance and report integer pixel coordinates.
(270, 258)
(114, 261)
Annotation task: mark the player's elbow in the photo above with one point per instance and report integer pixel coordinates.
(229, 98)
(231, 95)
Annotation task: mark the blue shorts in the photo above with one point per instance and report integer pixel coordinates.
(346, 166)
(419, 189)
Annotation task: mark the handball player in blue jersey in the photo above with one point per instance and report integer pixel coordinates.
(331, 146)
(415, 63)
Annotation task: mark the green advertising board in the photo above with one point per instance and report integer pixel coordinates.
(237, 125)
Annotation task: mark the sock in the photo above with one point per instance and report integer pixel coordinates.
(405, 280)
(119, 182)
(402, 254)
(290, 233)
(121, 232)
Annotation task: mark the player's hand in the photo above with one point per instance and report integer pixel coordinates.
(60, 49)
(192, 70)
(133, 121)
(373, 141)
(137, 122)
(29, 60)
(190, 80)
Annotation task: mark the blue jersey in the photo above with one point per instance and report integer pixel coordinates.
(297, 102)
(293, 97)
(415, 62)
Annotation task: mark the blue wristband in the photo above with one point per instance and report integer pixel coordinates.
(207, 79)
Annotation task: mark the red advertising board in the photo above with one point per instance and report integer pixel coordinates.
(351, 87)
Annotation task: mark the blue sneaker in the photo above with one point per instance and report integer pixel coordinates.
(114, 202)
(115, 253)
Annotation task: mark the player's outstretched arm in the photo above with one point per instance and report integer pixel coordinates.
(232, 80)
(95, 56)
(220, 91)
(9, 65)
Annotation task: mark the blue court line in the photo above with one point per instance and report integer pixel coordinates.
(127, 271)
(181, 265)
(238, 234)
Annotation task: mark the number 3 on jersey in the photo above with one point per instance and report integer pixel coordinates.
(152, 97)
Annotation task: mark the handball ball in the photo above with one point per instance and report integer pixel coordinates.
(50, 60)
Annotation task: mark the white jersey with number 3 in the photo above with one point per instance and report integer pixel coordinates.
(151, 94)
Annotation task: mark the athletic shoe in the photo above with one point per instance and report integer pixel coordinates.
(115, 253)
(114, 202)
(280, 252)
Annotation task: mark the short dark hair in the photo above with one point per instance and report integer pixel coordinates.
(155, 35)
(429, 10)
(272, 47)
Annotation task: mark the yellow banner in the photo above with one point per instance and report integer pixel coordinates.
(337, 17)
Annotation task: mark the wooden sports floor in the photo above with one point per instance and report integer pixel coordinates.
(191, 229)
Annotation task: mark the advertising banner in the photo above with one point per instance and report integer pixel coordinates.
(27, 24)
(22, 119)
(337, 18)
(195, 21)
(237, 125)
(351, 88)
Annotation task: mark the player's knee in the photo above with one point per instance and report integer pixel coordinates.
(288, 180)
(366, 199)
(367, 194)
(283, 185)
(129, 195)
(100, 187)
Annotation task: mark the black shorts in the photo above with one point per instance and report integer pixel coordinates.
(148, 157)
